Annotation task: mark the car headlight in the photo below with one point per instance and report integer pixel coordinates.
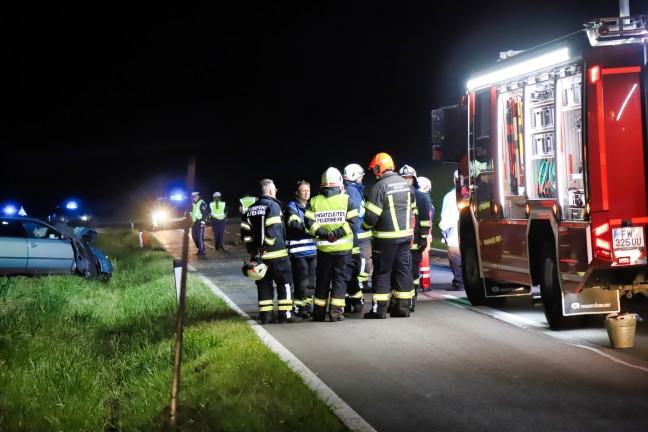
(159, 216)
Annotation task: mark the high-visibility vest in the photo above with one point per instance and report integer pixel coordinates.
(195, 212)
(246, 202)
(217, 209)
(331, 213)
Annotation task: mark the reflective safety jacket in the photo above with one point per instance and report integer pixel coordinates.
(262, 229)
(246, 202)
(199, 211)
(332, 211)
(300, 242)
(389, 209)
(356, 191)
(217, 209)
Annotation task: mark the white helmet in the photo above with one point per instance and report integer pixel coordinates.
(353, 172)
(407, 171)
(254, 270)
(332, 178)
(425, 185)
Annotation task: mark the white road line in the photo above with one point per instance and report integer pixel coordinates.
(343, 411)
(524, 323)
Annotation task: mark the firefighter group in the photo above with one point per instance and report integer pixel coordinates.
(320, 253)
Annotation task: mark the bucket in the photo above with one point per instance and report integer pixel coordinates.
(621, 332)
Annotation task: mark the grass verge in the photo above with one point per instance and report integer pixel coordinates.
(82, 355)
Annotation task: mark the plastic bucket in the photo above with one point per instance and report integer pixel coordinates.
(621, 332)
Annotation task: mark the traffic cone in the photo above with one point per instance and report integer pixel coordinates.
(425, 271)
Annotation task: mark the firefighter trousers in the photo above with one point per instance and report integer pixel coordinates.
(331, 280)
(303, 271)
(392, 272)
(279, 272)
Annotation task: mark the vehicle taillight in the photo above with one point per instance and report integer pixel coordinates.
(602, 247)
(594, 74)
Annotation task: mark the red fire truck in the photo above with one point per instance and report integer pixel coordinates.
(556, 163)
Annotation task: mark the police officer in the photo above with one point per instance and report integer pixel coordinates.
(332, 217)
(199, 215)
(388, 212)
(218, 215)
(264, 235)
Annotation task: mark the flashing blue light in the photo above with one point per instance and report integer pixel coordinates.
(9, 210)
(72, 205)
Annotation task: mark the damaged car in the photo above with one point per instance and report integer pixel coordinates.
(30, 246)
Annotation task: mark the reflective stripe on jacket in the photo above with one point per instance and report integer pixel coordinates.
(262, 228)
(389, 208)
(332, 211)
(300, 242)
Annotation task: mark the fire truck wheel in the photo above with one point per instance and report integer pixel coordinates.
(473, 283)
(551, 294)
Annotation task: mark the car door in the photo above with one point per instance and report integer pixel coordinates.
(13, 247)
(49, 252)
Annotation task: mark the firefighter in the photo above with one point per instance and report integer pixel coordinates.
(332, 217)
(422, 226)
(199, 215)
(361, 252)
(218, 214)
(302, 250)
(264, 235)
(425, 186)
(388, 212)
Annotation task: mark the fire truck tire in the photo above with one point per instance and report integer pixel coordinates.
(473, 283)
(551, 294)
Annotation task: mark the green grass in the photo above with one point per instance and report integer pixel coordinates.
(82, 355)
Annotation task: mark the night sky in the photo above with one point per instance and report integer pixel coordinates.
(108, 102)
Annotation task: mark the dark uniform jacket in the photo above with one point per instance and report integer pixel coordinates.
(389, 209)
(300, 242)
(423, 222)
(263, 230)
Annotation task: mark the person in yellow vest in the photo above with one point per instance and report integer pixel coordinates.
(246, 202)
(332, 217)
(199, 214)
(218, 213)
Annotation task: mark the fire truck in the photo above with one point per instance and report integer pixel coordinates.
(552, 142)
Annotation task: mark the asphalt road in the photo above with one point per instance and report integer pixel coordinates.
(452, 366)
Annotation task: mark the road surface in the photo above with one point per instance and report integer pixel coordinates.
(455, 367)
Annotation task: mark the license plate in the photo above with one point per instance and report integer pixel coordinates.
(627, 238)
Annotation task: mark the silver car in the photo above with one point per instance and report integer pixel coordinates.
(31, 246)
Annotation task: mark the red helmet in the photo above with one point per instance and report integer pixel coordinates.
(381, 163)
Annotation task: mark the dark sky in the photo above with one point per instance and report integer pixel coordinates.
(108, 101)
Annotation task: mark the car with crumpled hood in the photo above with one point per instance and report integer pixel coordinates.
(30, 246)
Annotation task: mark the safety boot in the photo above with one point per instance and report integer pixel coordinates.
(266, 317)
(336, 313)
(319, 313)
(287, 317)
(401, 309)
